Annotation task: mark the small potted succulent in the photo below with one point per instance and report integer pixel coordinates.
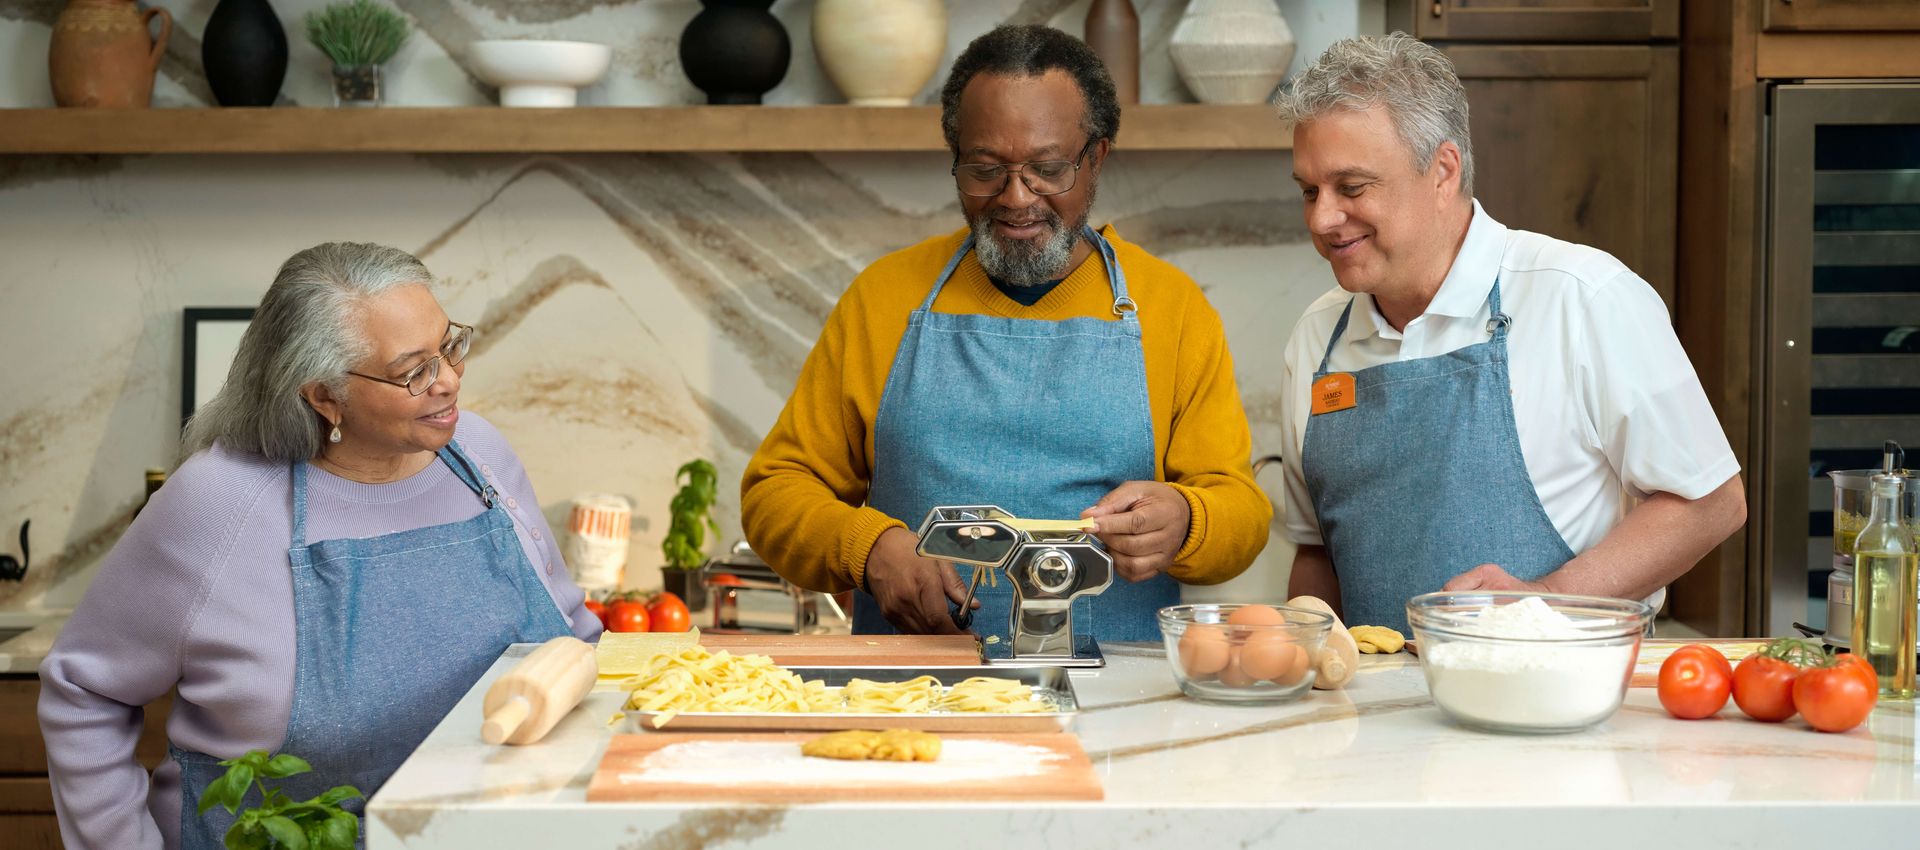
(359, 36)
(689, 519)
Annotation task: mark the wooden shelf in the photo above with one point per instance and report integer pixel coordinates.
(397, 129)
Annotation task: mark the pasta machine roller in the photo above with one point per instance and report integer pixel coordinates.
(1048, 567)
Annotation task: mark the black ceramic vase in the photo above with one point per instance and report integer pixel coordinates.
(735, 50)
(244, 50)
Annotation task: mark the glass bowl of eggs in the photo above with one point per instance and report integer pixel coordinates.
(1243, 652)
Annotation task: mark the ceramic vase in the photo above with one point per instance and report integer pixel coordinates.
(1113, 31)
(102, 55)
(1232, 51)
(735, 50)
(244, 50)
(880, 52)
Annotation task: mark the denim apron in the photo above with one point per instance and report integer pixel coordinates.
(1039, 417)
(1422, 479)
(390, 632)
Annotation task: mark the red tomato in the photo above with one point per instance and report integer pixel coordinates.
(1763, 688)
(627, 616)
(1859, 665)
(1692, 684)
(1836, 697)
(1708, 653)
(666, 613)
(598, 609)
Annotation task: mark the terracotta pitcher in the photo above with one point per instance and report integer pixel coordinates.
(102, 54)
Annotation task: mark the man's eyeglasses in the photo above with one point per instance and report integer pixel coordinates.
(421, 377)
(1043, 177)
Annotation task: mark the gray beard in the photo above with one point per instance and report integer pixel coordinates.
(1017, 263)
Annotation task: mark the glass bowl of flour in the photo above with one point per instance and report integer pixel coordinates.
(1527, 663)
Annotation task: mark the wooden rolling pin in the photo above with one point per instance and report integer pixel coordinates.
(523, 705)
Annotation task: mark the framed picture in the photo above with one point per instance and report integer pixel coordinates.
(212, 338)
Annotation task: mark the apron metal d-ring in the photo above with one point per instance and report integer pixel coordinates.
(1124, 305)
(1499, 322)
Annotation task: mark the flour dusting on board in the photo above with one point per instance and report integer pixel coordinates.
(775, 763)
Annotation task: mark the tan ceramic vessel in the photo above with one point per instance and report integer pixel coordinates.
(102, 54)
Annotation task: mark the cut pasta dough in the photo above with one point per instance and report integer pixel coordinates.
(885, 745)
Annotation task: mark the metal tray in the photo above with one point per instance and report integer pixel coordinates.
(1050, 683)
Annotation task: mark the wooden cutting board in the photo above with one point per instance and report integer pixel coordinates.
(768, 768)
(853, 650)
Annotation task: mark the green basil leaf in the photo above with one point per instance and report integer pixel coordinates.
(336, 794)
(285, 765)
(216, 794)
(239, 782)
(275, 801)
(245, 835)
(286, 832)
(338, 832)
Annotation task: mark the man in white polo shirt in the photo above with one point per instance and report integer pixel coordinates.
(1474, 407)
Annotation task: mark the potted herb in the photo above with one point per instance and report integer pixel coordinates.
(690, 517)
(359, 36)
(319, 823)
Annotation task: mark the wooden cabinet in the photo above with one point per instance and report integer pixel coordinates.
(1841, 15)
(27, 819)
(1536, 20)
(1579, 142)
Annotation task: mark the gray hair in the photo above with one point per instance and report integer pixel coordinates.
(303, 332)
(1415, 83)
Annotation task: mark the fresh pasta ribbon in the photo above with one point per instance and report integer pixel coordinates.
(695, 680)
(692, 679)
(913, 696)
(992, 696)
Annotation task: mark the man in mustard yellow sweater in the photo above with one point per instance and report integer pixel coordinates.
(1026, 361)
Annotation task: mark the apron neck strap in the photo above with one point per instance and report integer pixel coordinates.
(1123, 305)
(1497, 323)
(299, 503)
(451, 455)
(456, 459)
(1339, 328)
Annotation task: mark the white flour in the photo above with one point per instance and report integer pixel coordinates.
(1517, 685)
(724, 762)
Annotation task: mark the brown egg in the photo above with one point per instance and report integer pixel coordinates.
(1203, 650)
(1233, 676)
(1267, 655)
(1297, 670)
(1256, 615)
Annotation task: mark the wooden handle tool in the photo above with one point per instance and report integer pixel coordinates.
(523, 705)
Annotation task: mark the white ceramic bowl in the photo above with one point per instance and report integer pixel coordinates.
(539, 73)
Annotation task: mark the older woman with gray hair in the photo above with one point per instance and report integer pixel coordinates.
(1473, 407)
(341, 556)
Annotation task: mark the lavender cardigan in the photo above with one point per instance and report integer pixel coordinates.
(198, 594)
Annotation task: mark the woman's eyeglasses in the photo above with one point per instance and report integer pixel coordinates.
(421, 377)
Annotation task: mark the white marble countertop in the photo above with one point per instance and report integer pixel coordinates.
(1374, 763)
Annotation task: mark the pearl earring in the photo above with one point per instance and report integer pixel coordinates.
(335, 436)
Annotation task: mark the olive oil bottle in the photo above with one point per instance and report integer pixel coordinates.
(1886, 572)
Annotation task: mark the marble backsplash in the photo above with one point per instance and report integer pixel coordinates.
(635, 311)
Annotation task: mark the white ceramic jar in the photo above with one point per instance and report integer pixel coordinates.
(880, 52)
(1232, 51)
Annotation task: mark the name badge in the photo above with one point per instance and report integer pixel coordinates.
(1333, 392)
